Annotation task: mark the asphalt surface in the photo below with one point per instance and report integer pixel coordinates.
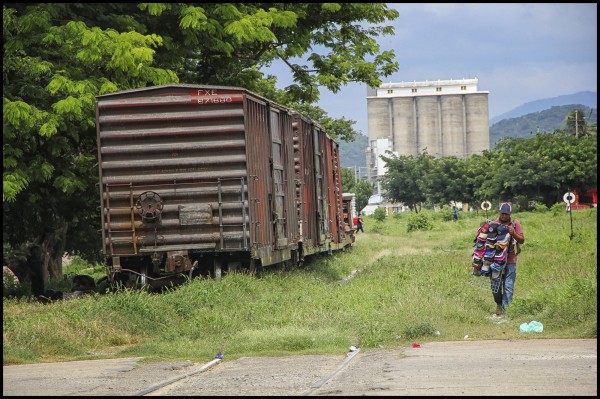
(531, 367)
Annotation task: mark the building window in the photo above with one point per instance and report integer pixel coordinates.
(463, 87)
(438, 89)
(414, 90)
(390, 91)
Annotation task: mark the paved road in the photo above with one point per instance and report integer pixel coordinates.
(534, 367)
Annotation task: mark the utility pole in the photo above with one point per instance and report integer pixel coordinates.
(576, 125)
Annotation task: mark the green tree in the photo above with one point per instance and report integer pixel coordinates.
(575, 123)
(544, 166)
(363, 190)
(53, 68)
(379, 214)
(443, 181)
(348, 180)
(403, 181)
(59, 56)
(476, 174)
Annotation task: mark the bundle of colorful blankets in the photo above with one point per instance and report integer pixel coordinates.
(490, 249)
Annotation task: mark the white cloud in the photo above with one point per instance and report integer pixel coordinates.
(520, 52)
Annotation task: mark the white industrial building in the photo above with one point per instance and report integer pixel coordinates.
(442, 117)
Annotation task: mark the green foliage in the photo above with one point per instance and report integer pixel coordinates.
(12, 184)
(78, 265)
(363, 190)
(379, 214)
(403, 179)
(347, 180)
(539, 168)
(419, 221)
(541, 208)
(444, 213)
(576, 123)
(13, 288)
(59, 56)
(558, 208)
(421, 329)
(444, 178)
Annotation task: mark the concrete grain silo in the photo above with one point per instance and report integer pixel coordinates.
(405, 121)
(443, 117)
(478, 138)
(428, 125)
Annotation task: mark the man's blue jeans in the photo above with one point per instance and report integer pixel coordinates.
(505, 293)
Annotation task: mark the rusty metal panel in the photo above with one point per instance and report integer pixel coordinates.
(173, 169)
(299, 180)
(305, 172)
(321, 183)
(291, 216)
(278, 200)
(334, 188)
(269, 144)
(259, 177)
(341, 225)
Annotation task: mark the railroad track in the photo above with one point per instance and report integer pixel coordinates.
(170, 385)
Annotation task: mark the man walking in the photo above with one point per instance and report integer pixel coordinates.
(359, 224)
(505, 293)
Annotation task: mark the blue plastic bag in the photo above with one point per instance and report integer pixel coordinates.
(534, 326)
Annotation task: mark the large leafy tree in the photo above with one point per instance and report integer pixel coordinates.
(545, 166)
(53, 68)
(59, 56)
(403, 181)
(475, 174)
(444, 179)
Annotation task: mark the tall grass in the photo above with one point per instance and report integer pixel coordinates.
(405, 287)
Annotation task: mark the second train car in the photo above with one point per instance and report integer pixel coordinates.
(203, 180)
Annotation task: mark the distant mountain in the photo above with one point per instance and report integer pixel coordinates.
(587, 98)
(353, 153)
(547, 120)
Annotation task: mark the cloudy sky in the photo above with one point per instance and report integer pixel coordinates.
(520, 52)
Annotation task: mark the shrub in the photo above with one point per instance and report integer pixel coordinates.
(558, 208)
(419, 330)
(445, 214)
(379, 214)
(540, 208)
(420, 221)
(12, 287)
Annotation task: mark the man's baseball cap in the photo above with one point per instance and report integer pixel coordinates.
(505, 208)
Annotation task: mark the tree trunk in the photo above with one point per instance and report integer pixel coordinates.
(54, 248)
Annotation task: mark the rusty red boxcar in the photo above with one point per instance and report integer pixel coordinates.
(202, 180)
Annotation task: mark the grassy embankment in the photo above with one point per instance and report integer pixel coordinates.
(405, 287)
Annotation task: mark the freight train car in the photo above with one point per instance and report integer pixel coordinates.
(204, 180)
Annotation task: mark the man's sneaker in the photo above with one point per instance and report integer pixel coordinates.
(499, 310)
